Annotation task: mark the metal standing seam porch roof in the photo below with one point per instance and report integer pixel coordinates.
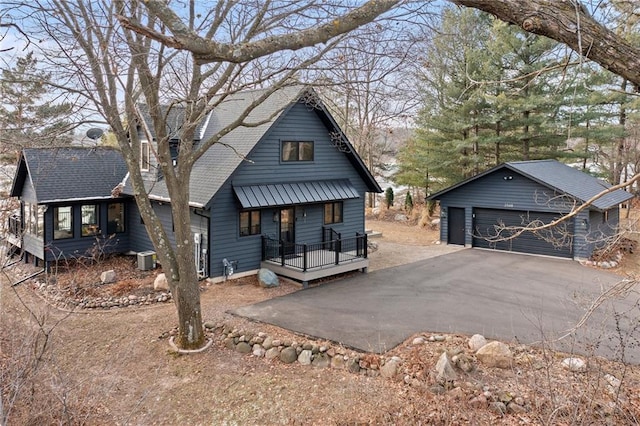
(270, 195)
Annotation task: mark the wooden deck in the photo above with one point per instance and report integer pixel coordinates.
(352, 264)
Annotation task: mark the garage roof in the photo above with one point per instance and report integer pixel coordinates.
(559, 177)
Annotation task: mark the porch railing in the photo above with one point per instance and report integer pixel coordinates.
(316, 255)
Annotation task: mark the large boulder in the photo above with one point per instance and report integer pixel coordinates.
(444, 369)
(577, 365)
(108, 277)
(495, 354)
(288, 355)
(161, 283)
(476, 342)
(267, 278)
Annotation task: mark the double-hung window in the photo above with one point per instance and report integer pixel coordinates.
(333, 212)
(89, 213)
(297, 151)
(115, 218)
(62, 222)
(249, 223)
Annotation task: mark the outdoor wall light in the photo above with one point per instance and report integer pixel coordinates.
(585, 223)
(508, 177)
(443, 214)
(275, 216)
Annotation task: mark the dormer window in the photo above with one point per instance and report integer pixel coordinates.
(144, 156)
(297, 151)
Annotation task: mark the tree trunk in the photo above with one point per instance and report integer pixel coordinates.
(619, 152)
(498, 143)
(525, 140)
(184, 285)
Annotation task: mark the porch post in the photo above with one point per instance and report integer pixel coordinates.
(338, 250)
(281, 252)
(366, 245)
(304, 253)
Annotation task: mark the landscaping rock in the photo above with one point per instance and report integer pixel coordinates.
(514, 408)
(268, 343)
(272, 353)
(498, 408)
(305, 357)
(321, 360)
(495, 354)
(353, 365)
(400, 218)
(160, 283)
(419, 341)
(243, 348)
(444, 369)
(258, 350)
(209, 325)
(267, 278)
(338, 362)
(390, 369)
(476, 342)
(108, 277)
(613, 384)
(576, 365)
(463, 362)
(229, 343)
(288, 355)
(479, 401)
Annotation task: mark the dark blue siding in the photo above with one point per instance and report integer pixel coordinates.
(298, 124)
(508, 190)
(80, 246)
(137, 232)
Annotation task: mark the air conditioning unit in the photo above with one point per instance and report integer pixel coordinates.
(147, 260)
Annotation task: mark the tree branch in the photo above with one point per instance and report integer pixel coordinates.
(568, 22)
(206, 50)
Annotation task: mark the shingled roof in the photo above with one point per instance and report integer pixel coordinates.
(69, 174)
(561, 178)
(217, 164)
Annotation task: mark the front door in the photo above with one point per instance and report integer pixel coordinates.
(456, 226)
(287, 229)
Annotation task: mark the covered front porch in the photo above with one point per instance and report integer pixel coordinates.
(307, 262)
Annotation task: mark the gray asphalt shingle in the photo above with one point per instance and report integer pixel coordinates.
(73, 173)
(570, 181)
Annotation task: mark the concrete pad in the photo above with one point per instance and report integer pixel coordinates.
(503, 296)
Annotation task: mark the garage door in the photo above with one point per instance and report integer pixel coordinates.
(489, 224)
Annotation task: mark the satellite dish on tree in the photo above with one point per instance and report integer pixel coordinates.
(94, 133)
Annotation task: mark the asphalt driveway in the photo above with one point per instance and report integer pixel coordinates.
(503, 296)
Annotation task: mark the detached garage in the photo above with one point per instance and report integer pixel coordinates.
(491, 209)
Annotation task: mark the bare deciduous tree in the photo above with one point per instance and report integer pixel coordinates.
(119, 54)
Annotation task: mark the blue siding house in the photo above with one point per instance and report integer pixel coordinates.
(67, 207)
(284, 191)
(489, 210)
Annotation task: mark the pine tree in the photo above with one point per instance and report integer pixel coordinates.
(27, 117)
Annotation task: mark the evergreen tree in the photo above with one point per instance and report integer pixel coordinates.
(27, 117)
(408, 202)
(388, 195)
